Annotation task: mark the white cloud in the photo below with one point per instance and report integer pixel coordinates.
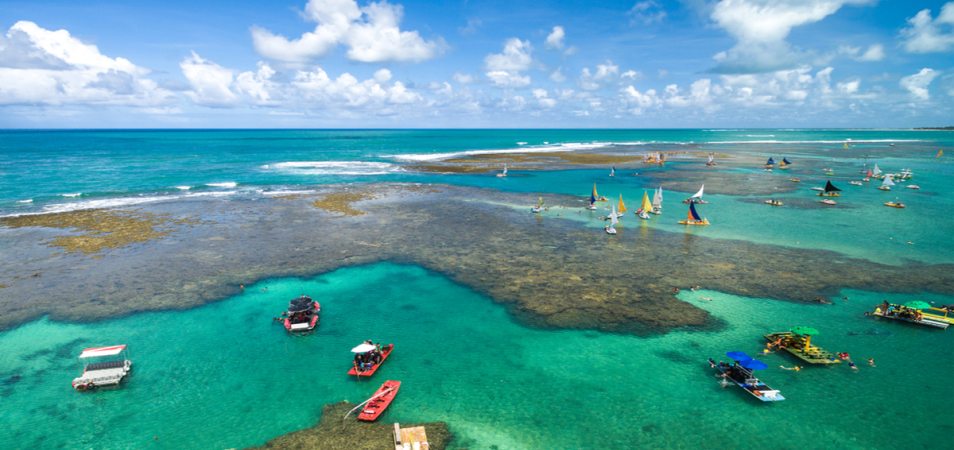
(40, 66)
(371, 34)
(634, 75)
(917, 84)
(646, 13)
(604, 73)
(924, 35)
(849, 87)
(557, 75)
(471, 27)
(875, 52)
(505, 79)
(555, 39)
(515, 57)
(542, 98)
(463, 78)
(211, 83)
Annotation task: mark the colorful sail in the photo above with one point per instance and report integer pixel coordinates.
(595, 195)
(869, 175)
(940, 153)
(622, 207)
(785, 161)
(771, 162)
(692, 212)
(699, 194)
(647, 206)
(613, 171)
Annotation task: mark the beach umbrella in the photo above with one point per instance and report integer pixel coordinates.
(738, 356)
(808, 332)
(363, 348)
(917, 304)
(754, 365)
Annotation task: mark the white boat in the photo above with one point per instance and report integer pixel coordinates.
(816, 188)
(913, 186)
(98, 372)
(536, 209)
(856, 183)
(504, 173)
(886, 185)
(610, 229)
(711, 160)
(657, 202)
(697, 197)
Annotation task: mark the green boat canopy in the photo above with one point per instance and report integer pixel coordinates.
(917, 304)
(805, 331)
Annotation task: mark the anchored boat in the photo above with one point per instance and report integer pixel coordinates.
(610, 229)
(302, 315)
(886, 185)
(912, 312)
(774, 202)
(785, 163)
(770, 163)
(645, 207)
(504, 173)
(742, 374)
(711, 160)
(895, 204)
(798, 342)
(380, 401)
(657, 202)
(99, 372)
(373, 356)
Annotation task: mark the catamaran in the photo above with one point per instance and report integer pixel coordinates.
(711, 160)
(697, 197)
(886, 185)
(742, 374)
(504, 173)
(830, 191)
(646, 206)
(102, 373)
(693, 217)
(610, 229)
(657, 202)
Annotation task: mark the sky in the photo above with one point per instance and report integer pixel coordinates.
(475, 64)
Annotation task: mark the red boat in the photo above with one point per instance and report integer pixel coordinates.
(385, 352)
(380, 401)
(302, 314)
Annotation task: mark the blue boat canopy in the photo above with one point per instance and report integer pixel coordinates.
(738, 356)
(752, 364)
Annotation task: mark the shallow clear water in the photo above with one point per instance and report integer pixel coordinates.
(224, 376)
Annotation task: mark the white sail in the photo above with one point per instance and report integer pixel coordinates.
(660, 195)
(887, 181)
(505, 169)
(876, 170)
(613, 220)
(710, 158)
(699, 194)
(657, 198)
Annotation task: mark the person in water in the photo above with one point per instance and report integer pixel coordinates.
(795, 368)
(852, 365)
(871, 362)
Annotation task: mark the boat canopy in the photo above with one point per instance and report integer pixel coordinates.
(693, 215)
(102, 351)
(831, 188)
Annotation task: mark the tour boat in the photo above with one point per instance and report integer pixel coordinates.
(886, 185)
(828, 202)
(385, 352)
(910, 315)
(697, 197)
(504, 173)
(742, 374)
(830, 191)
(99, 373)
(693, 218)
(657, 202)
(798, 343)
(895, 204)
(380, 401)
(302, 314)
(774, 202)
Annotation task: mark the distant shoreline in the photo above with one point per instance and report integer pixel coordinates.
(935, 128)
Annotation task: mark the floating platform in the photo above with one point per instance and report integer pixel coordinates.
(925, 322)
(814, 355)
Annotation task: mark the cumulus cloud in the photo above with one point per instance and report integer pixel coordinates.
(875, 52)
(555, 39)
(371, 34)
(917, 84)
(542, 98)
(604, 73)
(471, 27)
(211, 83)
(39, 66)
(760, 28)
(646, 13)
(506, 79)
(557, 75)
(924, 34)
(463, 78)
(633, 75)
(504, 68)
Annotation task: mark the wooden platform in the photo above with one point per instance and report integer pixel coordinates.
(405, 438)
(814, 356)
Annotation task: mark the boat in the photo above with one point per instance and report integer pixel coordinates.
(693, 218)
(613, 221)
(868, 175)
(913, 186)
(504, 173)
(911, 312)
(875, 173)
(613, 171)
(596, 197)
(828, 202)
(795, 180)
(905, 175)
(767, 170)
(798, 343)
(657, 202)
(379, 401)
(536, 209)
(99, 372)
(785, 163)
(769, 163)
(826, 170)
(697, 197)
(895, 204)
(774, 202)
(830, 173)
(302, 315)
(886, 185)
(645, 207)
(711, 160)
(830, 191)
(818, 188)
(856, 183)
(622, 207)
(357, 371)
(742, 374)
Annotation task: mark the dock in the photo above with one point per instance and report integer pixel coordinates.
(413, 438)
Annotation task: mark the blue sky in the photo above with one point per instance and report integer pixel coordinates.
(428, 64)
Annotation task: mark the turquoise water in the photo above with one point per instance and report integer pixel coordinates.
(224, 376)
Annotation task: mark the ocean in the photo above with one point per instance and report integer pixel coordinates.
(203, 382)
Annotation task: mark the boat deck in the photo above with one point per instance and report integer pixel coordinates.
(404, 438)
(815, 355)
(101, 377)
(925, 322)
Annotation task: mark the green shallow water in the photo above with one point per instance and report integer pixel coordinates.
(224, 376)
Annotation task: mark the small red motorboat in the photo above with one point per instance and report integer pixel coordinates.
(302, 314)
(380, 401)
(385, 352)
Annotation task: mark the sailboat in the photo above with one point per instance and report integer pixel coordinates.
(697, 197)
(784, 164)
(830, 190)
(868, 175)
(622, 207)
(876, 171)
(646, 207)
(711, 160)
(693, 218)
(886, 186)
(539, 206)
(770, 163)
(657, 202)
(504, 173)
(613, 171)
(596, 197)
(613, 221)
(940, 153)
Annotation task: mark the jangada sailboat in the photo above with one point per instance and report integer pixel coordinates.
(657, 202)
(784, 164)
(610, 229)
(504, 173)
(876, 172)
(646, 206)
(830, 191)
(770, 163)
(596, 197)
(711, 160)
(622, 207)
(697, 197)
(693, 217)
(886, 185)
(613, 171)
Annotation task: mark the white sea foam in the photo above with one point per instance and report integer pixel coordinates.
(29, 200)
(118, 202)
(760, 135)
(545, 149)
(854, 141)
(227, 184)
(72, 195)
(285, 192)
(183, 188)
(335, 167)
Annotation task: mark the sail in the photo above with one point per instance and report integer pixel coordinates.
(831, 188)
(869, 174)
(660, 194)
(785, 161)
(692, 212)
(710, 157)
(505, 169)
(887, 181)
(613, 216)
(657, 198)
(613, 172)
(876, 170)
(647, 206)
(940, 153)
(595, 195)
(770, 162)
(622, 207)
(699, 194)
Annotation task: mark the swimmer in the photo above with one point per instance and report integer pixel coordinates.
(871, 362)
(264, 288)
(675, 290)
(242, 287)
(706, 299)
(766, 351)
(844, 356)
(820, 300)
(852, 365)
(711, 362)
(795, 368)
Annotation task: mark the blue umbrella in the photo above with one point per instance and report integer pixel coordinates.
(752, 364)
(738, 356)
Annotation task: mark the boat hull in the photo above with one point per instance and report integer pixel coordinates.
(925, 322)
(385, 352)
(376, 407)
(694, 222)
(758, 390)
(698, 202)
